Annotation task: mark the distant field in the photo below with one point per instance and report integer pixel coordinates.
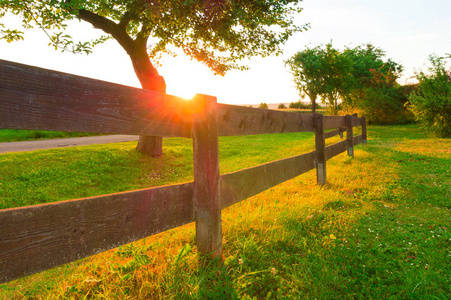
(10, 135)
(380, 229)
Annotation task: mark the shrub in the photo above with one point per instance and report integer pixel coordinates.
(281, 106)
(298, 105)
(431, 101)
(263, 105)
(302, 105)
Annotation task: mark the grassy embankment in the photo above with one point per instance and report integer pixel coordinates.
(11, 135)
(380, 229)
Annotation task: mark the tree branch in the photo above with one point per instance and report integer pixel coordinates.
(116, 30)
(142, 37)
(125, 20)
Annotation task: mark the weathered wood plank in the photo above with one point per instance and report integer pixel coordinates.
(332, 122)
(358, 139)
(356, 121)
(333, 133)
(246, 183)
(320, 144)
(335, 149)
(207, 204)
(240, 120)
(349, 134)
(40, 237)
(364, 134)
(35, 98)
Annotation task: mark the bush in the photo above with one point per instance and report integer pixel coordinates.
(302, 105)
(431, 101)
(263, 105)
(281, 106)
(386, 106)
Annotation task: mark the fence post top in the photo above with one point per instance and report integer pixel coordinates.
(204, 98)
(318, 116)
(201, 105)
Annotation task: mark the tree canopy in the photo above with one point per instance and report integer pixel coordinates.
(321, 71)
(431, 100)
(218, 33)
(359, 77)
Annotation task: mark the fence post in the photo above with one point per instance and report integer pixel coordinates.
(320, 143)
(349, 135)
(207, 203)
(363, 131)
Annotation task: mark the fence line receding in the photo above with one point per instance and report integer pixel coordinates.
(39, 237)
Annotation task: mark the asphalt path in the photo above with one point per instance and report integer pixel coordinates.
(66, 142)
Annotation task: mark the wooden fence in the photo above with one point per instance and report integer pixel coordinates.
(39, 237)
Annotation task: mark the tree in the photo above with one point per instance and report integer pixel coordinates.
(281, 106)
(306, 68)
(431, 100)
(218, 33)
(375, 91)
(263, 105)
(367, 64)
(359, 77)
(323, 72)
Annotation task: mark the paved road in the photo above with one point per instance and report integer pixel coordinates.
(66, 142)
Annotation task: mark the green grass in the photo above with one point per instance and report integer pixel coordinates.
(12, 135)
(380, 229)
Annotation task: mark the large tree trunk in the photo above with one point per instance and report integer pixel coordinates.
(137, 50)
(150, 80)
(312, 97)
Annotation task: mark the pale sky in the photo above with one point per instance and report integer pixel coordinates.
(409, 31)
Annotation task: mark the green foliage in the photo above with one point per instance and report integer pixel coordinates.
(263, 105)
(218, 33)
(431, 101)
(375, 91)
(281, 106)
(321, 71)
(302, 105)
(382, 99)
(359, 77)
(366, 59)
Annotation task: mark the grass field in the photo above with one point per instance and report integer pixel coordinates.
(380, 229)
(11, 135)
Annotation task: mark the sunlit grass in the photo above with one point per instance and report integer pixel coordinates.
(380, 228)
(10, 135)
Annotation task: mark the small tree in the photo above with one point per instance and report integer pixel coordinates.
(382, 101)
(263, 105)
(321, 71)
(375, 90)
(431, 101)
(281, 106)
(217, 33)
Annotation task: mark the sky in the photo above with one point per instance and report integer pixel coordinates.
(409, 31)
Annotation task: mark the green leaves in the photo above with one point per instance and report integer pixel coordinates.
(10, 35)
(431, 102)
(321, 71)
(357, 77)
(218, 33)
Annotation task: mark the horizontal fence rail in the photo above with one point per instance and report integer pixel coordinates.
(246, 183)
(39, 237)
(36, 238)
(39, 99)
(240, 120)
